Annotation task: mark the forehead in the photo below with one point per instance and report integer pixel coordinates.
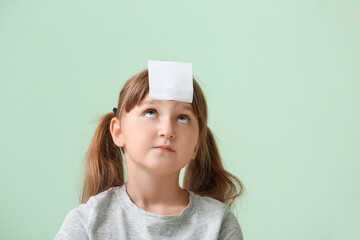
(182, 105)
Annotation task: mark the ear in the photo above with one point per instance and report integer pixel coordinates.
(116, 132)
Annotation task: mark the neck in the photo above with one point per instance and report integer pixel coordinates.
(154, 193)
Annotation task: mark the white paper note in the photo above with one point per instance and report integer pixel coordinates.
(170, 81)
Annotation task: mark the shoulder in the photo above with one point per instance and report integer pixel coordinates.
(210, 206)
(214, 211)
(99, 202)
(78, 221)
(230, 228)
(104, 199)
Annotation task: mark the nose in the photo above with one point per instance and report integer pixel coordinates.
(166, 129)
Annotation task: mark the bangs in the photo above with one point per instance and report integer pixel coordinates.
(134, 90)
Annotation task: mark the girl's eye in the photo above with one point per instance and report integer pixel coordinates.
(184, 119)
(150, 113)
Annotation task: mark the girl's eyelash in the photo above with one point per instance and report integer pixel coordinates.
(148, 109)
(187, 116)
(182, 114)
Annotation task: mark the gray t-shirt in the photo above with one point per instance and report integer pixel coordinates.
(112, 215)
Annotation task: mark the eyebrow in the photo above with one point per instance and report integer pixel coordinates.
(188, 107)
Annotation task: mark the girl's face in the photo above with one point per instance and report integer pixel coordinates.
(159, 136)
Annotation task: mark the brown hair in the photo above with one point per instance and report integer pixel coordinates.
(205, 175)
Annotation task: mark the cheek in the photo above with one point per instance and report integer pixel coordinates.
(137, 131)
(190, 140)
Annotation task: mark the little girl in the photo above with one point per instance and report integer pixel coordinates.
(157, 139)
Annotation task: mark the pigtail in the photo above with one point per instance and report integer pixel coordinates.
(206, 176)
(103, 162)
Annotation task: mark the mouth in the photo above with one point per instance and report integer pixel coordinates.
(164, 148)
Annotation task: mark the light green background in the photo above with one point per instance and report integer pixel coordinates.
(282, 80)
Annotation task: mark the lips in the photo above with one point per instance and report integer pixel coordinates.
(164, 148)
